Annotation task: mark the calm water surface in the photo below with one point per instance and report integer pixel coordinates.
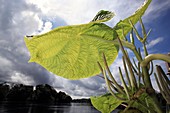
(15, 107)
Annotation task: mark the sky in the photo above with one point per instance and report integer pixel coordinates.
(30, 17)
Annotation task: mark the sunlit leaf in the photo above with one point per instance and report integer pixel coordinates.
(125, 25)
(106, 103)
(73, 51)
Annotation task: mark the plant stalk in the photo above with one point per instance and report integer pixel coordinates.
(148, 84)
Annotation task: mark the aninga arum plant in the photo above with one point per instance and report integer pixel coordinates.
(81, 51)
(138, 94)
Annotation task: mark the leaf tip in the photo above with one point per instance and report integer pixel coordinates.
(31, 60)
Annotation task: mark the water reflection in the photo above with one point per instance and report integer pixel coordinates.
(18, 107)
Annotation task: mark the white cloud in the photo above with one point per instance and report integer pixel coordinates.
(82, 11)
(46, 27)
(21, 78)
(163, 65)
(6, 63)
(115, 68)
(152, 43)
(85, 87)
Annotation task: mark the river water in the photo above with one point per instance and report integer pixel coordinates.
(16, 107)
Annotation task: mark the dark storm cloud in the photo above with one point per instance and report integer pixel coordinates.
(14, 24)
(8, 9)
(86, 87)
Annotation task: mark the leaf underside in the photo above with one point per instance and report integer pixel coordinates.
(73, 51)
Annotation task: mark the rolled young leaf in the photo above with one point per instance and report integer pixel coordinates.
(103, 16)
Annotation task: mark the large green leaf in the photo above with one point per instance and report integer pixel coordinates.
(73, 51)
(106, 103)
(125, 25)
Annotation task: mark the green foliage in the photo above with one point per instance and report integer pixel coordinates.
(106, 103)
(123, 27)
(73, 51)
(140, 103)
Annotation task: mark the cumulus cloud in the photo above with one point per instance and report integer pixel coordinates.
(29, 17)
(152, 43)
(86, 87)
(83, 11)
(46, 27)
(16, 20)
